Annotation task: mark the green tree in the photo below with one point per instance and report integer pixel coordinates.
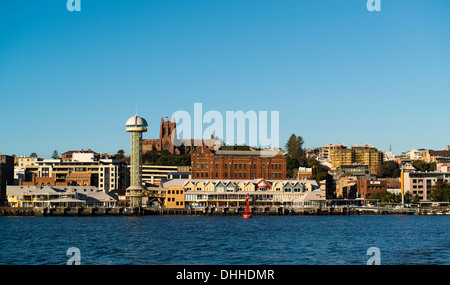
(389, 169)
(295, 155)
(294, 147)
(165, 158)
(55, 154)
(421, 165)
(120, 154)
(386, 197)
(440, 192)
(33, 154)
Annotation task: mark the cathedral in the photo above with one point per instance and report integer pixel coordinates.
(167, 131)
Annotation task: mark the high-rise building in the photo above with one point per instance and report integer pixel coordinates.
(361, 154)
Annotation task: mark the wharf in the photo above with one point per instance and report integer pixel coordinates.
(204, 211)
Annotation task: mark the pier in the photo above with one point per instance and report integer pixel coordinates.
(217, 211)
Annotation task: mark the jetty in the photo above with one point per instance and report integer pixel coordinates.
(217, 211)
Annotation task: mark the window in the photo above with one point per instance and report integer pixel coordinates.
(198, 165)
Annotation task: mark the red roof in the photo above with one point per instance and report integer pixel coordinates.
(79, 151)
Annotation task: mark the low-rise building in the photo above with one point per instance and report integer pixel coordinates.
(232, 193)
(68, 196)
(305, 173)
(369, 187)
(105, 174)
(421, 183)
(175, 197)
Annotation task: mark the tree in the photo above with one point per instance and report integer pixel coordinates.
(421, 165)
(389, 169)
(55, 154)
(440, 192)
(295, 155)
(33, 154)
(294, 147)
(120, 154)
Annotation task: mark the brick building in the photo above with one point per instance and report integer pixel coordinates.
(236, 164)
(369, 187)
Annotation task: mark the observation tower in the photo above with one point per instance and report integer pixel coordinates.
(136, 126)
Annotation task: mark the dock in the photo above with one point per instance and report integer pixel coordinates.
(215, 211)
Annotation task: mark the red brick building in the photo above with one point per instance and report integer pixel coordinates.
(368, 187)
(236, 164)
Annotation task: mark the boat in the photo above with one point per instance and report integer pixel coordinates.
(247, 214)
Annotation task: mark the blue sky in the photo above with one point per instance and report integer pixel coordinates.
(335, 71)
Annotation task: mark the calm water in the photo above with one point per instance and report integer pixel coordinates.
(193, 240)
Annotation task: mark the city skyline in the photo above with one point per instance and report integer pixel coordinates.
(334, 71)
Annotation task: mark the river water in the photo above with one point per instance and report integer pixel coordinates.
(204, 240)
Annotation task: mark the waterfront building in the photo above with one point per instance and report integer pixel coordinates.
(346, 187)
(369, 187)
(57, 196)
(6, 175)
(136, 126)
(420, 183)
(232, 193)
(175, 197)
(236, 164)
